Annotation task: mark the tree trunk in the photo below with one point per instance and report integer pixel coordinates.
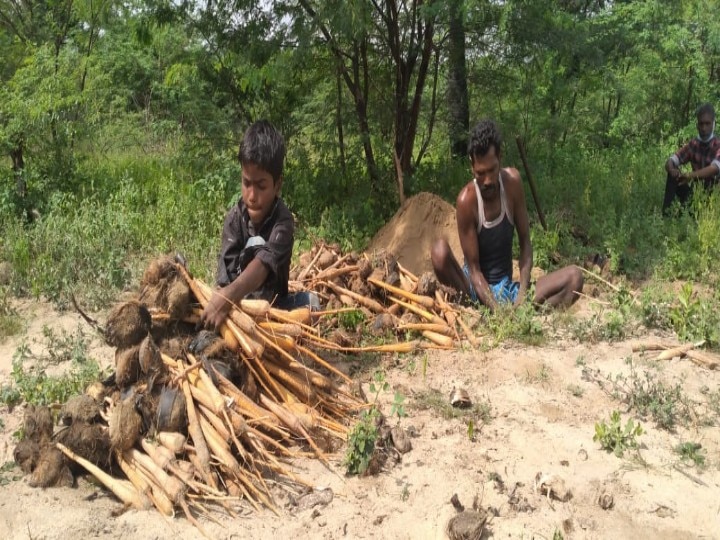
(18, 167)
(339, 121)
(457, 91)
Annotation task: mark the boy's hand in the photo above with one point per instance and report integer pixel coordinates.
(216, 311)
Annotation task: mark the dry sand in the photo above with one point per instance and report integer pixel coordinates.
(538, 425)
(542, 421)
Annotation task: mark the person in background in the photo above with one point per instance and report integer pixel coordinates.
(703, 154)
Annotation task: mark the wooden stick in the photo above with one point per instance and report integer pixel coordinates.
(439, 339)
(419, 311)
(424, 301)
(703, 359)
(369, 303)
(651, 346)
(332, 273)
(432, 327)
(123, 489)
(676, 351)
(407, 272)
(531, 181)
(304, 272)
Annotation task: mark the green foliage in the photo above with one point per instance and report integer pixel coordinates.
(10, 321)
(615, 438)
(31, 382)
(361, 442)
(691, 452)
(350, 320)
(9, 472)
(520, 323)
(398, 405)
(435, 400)
(667, 405)
(694, 319)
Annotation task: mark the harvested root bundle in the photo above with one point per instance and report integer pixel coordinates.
(171, 411)
(90, 441)
(127, 366)
(124, 425)
(127, 324)
(81, 409)
(26, 455)
(38, 423)
(52, 469)
(150, 362)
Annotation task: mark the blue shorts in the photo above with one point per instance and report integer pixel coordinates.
(505, 291)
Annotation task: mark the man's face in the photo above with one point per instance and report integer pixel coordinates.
(705, 125)
(258, 191)
(486, 171)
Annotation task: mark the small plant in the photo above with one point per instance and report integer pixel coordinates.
(361, 442)
(9, 472)
(542, 375)
(616, 438)
(694, 319)
(520, 323)
(10, 321)
(691, 451)
(481, 411)
(398, 407)
(30, 382)
(644, 393)
(576, 390)
(405, 493)
(350, 320)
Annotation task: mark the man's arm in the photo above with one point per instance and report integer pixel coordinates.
(516, 196)
(467, 221)
(706, 172)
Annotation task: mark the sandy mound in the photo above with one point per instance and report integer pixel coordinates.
(413, 229)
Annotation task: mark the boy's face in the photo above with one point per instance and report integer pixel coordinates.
(486, 170)
(705, 125)
(258, 191)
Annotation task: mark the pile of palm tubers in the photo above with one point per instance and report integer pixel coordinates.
(191, 418)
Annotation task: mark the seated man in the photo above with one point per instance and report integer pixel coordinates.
(490, 209)
(703, 153)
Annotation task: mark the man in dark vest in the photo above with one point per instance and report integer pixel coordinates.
(490, 209)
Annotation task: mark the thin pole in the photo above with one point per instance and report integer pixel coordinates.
(533, 188)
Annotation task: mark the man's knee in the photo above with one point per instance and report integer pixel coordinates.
(575, 279)
(439, 253)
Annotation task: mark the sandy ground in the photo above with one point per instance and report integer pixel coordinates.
(542, 421)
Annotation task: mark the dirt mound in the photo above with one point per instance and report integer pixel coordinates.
(411, 232)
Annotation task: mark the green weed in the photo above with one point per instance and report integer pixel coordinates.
(361, 442)
(644, 393)
(30, 381)
(433, 399)
(10, 321)
(9, 472)
(542, 375)
(518, 323)
(691, 452)
(615, 438)
(694, 319)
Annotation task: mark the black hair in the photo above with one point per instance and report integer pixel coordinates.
(264, 146)
(705, 108)
(484, 135)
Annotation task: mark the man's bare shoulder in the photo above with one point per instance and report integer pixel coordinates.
(467, 195)
(511, 176)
